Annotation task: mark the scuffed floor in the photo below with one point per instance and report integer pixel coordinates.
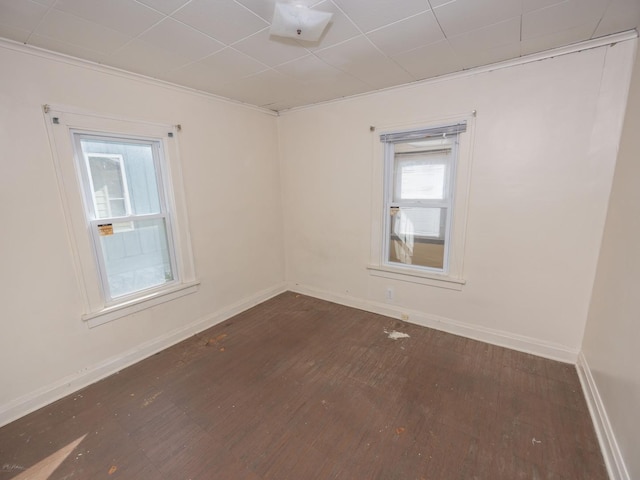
(298, 388)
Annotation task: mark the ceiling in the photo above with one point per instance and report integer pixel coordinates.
(223, 46)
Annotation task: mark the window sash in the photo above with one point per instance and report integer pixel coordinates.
(392, 184)
(94, 220)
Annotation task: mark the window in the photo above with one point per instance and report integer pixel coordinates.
(129, 220)
(121, 189)
(423, 205)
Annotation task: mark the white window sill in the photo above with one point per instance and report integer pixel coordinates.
(415, 276)
(113, 312)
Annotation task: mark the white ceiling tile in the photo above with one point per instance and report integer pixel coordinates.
(408, 34)
(439, 3)
(15, 34)
(71, 49)
(312, 94)
(22, 15)
(126, 16)
(557, 39)
(430, 61)
(309, 68)
(531, 5)
(196, 75)
(371, 14)
(66, 28)
(164, 6)
(232, 64)
(181, 39)
(224, 20)
(271, 50)
(216, 72)
(462, 16)
(265, 8)
(490, 55)
(141, 57)
(496, 35)
(562, 16)
(263, 89)
(360, 58)
(620, 16)
(322, 78)
(339, 29)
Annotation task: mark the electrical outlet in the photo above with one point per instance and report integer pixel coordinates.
(389, 294)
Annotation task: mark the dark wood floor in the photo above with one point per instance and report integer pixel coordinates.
(298, 388)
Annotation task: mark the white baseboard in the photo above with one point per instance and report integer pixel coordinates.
(488, 335)
(608, 444)
(65, 386)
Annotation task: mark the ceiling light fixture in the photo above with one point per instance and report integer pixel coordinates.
(299, 21)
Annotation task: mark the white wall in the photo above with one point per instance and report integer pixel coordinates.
(543, 160)
(611, 337)
(229, 158)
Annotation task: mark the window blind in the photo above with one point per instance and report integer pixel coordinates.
(425, 133)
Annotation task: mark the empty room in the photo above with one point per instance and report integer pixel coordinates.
(320, 239)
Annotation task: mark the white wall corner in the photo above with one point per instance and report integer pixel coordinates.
(476, 332)
(608, 444)
(50, 393)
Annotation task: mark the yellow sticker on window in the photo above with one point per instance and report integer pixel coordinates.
(105, 229)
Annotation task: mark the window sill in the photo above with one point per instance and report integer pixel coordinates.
(108, 314)
(413, 276)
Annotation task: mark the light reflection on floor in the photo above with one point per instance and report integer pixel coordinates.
(44, 468)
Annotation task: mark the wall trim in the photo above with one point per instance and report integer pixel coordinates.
(608, 444)
(495, 337)
(54, 391)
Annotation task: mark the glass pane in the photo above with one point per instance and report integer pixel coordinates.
(118, 207)
(419, 179)
(108, 185)
(417, 236)
(139, 177)
(136, 256)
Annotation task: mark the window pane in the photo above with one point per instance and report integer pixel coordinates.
(108, 185)
(417, 236)
(139, 176)
(419, 179)
(136, 256)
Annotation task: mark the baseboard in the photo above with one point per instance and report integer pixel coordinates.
(608, 444)
(65, 386)
(488, 335)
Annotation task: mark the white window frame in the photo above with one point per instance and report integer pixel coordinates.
(451, 276)
(82, 162)
(63, 123)
(447, 202)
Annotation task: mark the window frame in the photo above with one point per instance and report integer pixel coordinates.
(63, 124)
(451, 277)
(82, 163)
(391, 184)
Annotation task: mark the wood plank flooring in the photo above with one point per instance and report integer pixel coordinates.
(298, 388)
